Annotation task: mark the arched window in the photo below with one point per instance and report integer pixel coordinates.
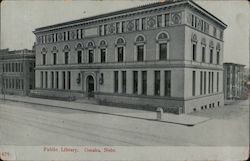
(79, 49)
(91, 46)
(66, 50)
(120, 49)
(162, 42)
(203, 50)
(54, 55)
(218, 53)
(211, 53)
(194, 41)
(103, 51)
(139, 48)
(44, 52)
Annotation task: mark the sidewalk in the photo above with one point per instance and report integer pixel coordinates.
(182, 119)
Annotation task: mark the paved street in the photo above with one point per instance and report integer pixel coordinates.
(29, 124)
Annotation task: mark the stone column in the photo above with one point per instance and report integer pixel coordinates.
(54, 79)
(60, 79)
(119, 81)
(129, 82)
(44, 79)
(139, 82)
(162, 84)
(150, 82)
(66, 80)
(49, 80)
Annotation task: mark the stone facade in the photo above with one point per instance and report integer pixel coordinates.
(163, 54)
(17, 71)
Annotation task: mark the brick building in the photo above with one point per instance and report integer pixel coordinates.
(166, 54)
(17, 71)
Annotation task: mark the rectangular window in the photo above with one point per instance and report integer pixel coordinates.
(81, 33)
(202, 25)
(13, 67)
(116, 81)
(52, 35)
(117, 27)
(52, 79)
(203, 54)
(144, 82)
(69, 80)
(167, 18)
(56, 37)
(63, 80)
(22, 84)
(66, 57)
(211, 56)
(194, 52)
(140, 52)
(143, 24)
(105, 29)
(206, 28)
(168, 83)
(124, 81)
(57, 80)
(217, 86)
(123, 26)
(100, 30)
(163, 51)
(64, 36)
(54, 58)
(201, 82)
(193, 20)
(137, 24)
(21, 67)
(46, 79)
(44, 59)
(157, 83)
(209, 82)
(79, 57)
(103, 55)
(135, 82)
(212, 82)
(215, 31)
(218, 57)
(91, 56)
(120, 51)
(16, 67)
(193, 84)
(159, 21)
(68, 35)
(41, 80)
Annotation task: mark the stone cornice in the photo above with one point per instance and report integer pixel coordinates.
(113, 15)
(204, 12)
(132, 65)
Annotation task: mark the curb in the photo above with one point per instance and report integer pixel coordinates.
(106, 113)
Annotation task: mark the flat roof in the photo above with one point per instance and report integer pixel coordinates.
(138, 8)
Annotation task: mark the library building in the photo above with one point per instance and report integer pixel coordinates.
(166, 54)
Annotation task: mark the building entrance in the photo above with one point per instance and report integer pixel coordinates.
(90, 86)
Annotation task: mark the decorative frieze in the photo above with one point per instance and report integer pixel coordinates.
(176, 18)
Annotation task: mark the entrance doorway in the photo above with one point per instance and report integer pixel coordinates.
(90, 86)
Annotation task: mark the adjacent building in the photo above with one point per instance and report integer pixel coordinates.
(166, 54)
(233, 81)
(17, 71)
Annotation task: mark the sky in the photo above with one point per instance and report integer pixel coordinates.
(20, 18)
